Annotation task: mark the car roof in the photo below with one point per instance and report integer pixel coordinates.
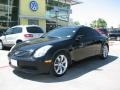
(75, 26)
(25, 26)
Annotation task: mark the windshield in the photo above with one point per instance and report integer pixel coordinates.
(64, 32)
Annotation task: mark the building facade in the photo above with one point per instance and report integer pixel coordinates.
(48, 14)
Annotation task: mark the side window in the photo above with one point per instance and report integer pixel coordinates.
(17, 30)
(87, 34)
(9, 31)
(85, 31)
(95, 33)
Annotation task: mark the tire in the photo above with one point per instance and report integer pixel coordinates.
(60, 64)
(1, 45)
(104, 51)
(19, 41)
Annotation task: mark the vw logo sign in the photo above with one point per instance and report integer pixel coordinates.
(34, 5)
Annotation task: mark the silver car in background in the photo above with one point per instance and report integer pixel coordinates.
(19, 34)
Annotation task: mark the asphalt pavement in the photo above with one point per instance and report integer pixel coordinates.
(90, 74)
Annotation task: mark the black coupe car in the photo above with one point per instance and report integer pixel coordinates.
(55, 51)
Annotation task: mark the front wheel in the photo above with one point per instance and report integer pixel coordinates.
(104, 51)
(1, 45)
(60, 64)
(18, 41)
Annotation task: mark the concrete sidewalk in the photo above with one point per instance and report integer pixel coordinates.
(3, 59)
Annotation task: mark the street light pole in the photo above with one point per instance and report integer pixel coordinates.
(57, 13)
(8, 14)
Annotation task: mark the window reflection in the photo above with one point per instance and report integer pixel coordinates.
(57, 13)
(57, 9)
(8, 13)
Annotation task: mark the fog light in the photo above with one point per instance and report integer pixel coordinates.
(48, 61)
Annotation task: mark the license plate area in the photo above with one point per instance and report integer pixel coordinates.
(14, 62)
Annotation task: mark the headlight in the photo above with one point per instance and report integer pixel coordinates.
(42, 51)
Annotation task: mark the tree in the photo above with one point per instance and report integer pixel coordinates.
(71, 22)
(93, 24)
(76, 23)
(100, 23)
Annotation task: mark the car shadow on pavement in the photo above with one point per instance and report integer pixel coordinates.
(75, 71)
(7, 48)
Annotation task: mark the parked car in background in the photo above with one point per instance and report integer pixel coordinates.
(19, 34)
(114, 34)
(55, 51)
(103, 31)
(2, 31)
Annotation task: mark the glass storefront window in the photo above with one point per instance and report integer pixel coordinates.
(8, 13)
(56, 9)
(33, 22)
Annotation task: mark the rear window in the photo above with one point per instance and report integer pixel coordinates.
(96, 33)
(104, 30)
(34, 30)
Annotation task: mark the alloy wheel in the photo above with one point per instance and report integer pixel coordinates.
(60, 64)
(105, 51)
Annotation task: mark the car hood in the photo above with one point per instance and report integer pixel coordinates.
(37, 43)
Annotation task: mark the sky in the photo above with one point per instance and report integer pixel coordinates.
(91, 10)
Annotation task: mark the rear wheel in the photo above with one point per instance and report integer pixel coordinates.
(1, 45)
(18, 41)
(60, 64)
(104, 51)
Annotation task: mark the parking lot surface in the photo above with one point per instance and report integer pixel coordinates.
(90, 74)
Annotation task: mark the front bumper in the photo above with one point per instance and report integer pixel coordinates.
(30, 66)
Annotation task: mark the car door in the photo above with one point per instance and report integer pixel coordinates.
(97, 39)
(16, 35)
(12, 35)
(7, 37)
(84, 47)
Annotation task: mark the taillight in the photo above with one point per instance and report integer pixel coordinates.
(28, 35)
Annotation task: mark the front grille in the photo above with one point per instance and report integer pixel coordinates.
(27, 65)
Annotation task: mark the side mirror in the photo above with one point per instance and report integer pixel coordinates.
(79, 37)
